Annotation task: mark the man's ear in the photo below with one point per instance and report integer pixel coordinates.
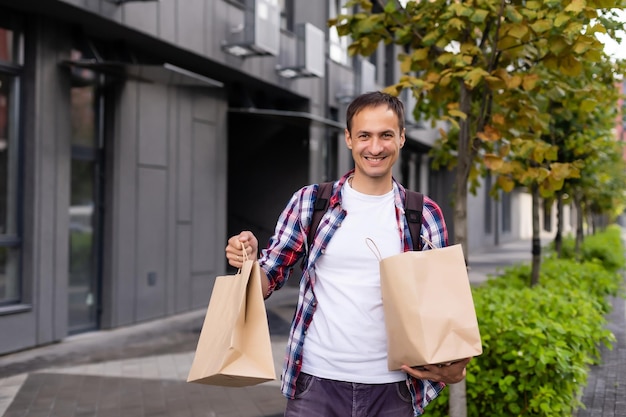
(402, 137)
(348, 138)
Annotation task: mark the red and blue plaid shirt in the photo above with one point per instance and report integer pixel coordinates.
(289, 245)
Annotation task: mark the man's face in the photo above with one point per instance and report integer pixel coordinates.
(375, 140)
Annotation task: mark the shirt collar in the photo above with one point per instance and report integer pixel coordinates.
(398, 191)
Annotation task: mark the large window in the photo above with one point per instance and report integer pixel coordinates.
(10, 239)
(338, 44)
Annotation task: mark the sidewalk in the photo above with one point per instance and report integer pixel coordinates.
(140, 371)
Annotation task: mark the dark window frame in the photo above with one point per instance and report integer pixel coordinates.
(14, 69)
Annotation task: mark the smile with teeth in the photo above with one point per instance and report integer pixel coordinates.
(374, 158)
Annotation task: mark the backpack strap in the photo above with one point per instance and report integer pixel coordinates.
(413, 213)
(321, 205)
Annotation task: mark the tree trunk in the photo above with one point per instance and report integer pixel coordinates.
(457, 406)
(558, 239)
(579, 223)
(536, 249)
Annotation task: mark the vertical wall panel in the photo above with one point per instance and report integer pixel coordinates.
(152, 125)
(141, 16)
(204, 197)
(167, 20)
(184, 157)
(124, 207)
(51, 277)
(172, 179)
(151, 243)
(190, 25)
(183, 288)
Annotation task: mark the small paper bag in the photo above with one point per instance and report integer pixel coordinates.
(234, 347)
(429, 310)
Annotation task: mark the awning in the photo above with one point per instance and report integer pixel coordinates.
(290, 115)
(167, 74)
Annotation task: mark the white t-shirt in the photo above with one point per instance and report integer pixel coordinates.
(346, 340)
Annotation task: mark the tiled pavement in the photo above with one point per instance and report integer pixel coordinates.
(140, 371)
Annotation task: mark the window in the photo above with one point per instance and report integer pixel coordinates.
(286, 14)
(506, 212)
(338, 44)
(10, 239)
(488, 214)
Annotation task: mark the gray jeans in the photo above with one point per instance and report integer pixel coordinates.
(317, 397)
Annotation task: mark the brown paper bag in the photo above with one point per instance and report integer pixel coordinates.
(429, 310)
(234, 348)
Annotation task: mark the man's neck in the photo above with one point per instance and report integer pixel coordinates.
(371, 186)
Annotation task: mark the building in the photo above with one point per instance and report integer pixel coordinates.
(135, 136)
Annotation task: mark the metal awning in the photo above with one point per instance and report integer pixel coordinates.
(167, 74)
(287, 114)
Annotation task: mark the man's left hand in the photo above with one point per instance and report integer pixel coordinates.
(449, 373)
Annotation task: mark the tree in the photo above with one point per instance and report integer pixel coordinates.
(472, 63)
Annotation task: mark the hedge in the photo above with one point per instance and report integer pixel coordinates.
(539, 342)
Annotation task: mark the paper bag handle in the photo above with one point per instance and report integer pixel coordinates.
(369, 242)
(428, 242)
(244, 257)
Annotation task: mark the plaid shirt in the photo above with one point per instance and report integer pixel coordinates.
(289, 245)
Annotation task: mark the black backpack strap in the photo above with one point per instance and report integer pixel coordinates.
(320, 207)
(413, 213)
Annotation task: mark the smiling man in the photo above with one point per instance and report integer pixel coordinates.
(336, 359)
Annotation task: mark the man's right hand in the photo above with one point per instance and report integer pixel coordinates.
(236, 245)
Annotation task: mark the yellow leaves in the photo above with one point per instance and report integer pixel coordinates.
(474, 77)
(489, 134)
(457, 113)
(561, 18)
(570, 66)
(517, 30)
(588, 105)
(393, 90)
(558, 45)
(505, 183)
(530, 81)
(493, 162)
(576, 6)
(479, 16)
(420, 54)
(498, 119)
(405, 63)
(541, 26)
(453, 110)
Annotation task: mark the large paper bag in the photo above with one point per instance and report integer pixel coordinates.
(234, 348)
(429, 310)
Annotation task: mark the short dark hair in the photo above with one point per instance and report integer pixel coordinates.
(375, 99)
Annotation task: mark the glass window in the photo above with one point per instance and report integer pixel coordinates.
(10, 240)
(338, 44)
(10, 243)
(506, 212)
(10, 47)
(286, 14)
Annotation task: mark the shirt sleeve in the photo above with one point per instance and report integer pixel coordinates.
(433, 226)
(288, 244)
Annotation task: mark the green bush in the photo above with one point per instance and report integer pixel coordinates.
(539, 342)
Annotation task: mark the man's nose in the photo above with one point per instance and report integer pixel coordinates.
(376, 146)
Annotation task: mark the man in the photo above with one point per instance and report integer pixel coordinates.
(336, 361)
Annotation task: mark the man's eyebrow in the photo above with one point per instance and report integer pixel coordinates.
(381, 132)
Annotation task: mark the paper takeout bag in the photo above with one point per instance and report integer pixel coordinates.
(234, 347)
(429, 310)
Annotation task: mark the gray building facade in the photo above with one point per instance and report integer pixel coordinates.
(136, 136)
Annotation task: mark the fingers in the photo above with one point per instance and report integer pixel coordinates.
(244, 241)
(447, 372)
